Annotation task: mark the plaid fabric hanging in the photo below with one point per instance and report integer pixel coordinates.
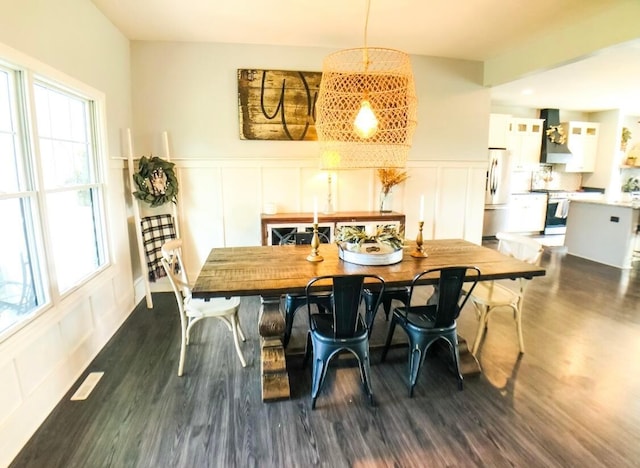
(156, 230)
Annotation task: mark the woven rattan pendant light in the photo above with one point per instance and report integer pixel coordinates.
(366, 108)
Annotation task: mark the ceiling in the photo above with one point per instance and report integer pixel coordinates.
(463, 29)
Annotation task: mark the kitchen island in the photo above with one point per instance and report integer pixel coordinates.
(603, 231)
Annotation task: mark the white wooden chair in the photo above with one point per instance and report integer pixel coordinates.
(489, 296)
(193, 310)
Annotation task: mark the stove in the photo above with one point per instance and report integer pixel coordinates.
(558, 207)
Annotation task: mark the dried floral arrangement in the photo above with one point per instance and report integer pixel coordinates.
(388, 235)
(390, 177)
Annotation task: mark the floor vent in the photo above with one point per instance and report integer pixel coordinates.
(87, 386)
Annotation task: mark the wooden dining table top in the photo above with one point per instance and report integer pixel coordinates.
(276, 270)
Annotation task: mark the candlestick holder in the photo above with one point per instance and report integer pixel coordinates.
(315, 244)
(419, 252)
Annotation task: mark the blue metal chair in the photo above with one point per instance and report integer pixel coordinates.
(343, 329)
(425, 324)
(292, 302)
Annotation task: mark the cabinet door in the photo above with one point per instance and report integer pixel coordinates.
(527, 213)
(498, 130)
(582, 140)
(524, 141)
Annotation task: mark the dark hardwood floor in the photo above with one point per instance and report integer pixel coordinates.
(573, 400)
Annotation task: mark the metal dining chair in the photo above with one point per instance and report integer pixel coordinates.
(436, 320)
(293, 302)
(342, 329)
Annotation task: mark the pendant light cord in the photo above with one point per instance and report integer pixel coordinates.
(366, 27)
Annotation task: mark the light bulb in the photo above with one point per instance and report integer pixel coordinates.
(366, 123)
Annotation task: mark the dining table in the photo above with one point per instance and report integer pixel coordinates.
(272, 271)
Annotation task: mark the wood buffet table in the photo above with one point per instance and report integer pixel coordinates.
(271, 271)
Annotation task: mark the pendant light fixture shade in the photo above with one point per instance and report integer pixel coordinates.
(366, 113)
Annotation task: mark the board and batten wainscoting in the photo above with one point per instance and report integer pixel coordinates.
(220, 201)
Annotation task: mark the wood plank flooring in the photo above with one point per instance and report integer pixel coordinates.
(572, 400)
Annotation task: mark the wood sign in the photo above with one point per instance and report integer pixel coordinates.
(277, 104)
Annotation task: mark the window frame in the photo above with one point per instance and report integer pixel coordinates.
(24, 74)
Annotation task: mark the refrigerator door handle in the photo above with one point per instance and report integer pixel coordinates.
(494, 187)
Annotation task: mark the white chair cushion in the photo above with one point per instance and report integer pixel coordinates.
(217, 306)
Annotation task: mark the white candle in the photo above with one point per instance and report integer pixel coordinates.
(421, 214)
(315, 210)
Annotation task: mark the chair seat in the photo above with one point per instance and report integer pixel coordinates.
(214, 307)
(494, 294)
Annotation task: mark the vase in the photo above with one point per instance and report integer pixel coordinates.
(386, 202)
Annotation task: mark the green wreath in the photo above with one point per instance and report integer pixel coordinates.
(555, 134)
(156, 180)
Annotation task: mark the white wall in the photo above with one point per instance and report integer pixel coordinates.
(190, 90)
(40, 362)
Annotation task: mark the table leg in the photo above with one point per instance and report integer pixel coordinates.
(273, 365)
(469, 365)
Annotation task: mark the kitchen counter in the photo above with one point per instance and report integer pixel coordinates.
(623, 204)
(603, 231)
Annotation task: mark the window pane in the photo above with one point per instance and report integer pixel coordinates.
(19, 277)
(65, 145)
(5, 103)
(74, 223)
(8, 166)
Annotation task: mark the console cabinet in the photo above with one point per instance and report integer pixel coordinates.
(283, 228)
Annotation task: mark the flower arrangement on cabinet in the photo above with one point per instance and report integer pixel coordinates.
(389, 177)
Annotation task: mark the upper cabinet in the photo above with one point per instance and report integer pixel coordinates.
(524, 139)
(498, 129)
(582, 140)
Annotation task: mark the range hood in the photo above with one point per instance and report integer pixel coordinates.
(552, 153)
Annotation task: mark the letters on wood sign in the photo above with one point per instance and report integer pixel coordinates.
(277, 104)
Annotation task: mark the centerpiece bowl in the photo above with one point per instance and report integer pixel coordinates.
(384, 247)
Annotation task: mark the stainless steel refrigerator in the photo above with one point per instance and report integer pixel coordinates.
(497, 192)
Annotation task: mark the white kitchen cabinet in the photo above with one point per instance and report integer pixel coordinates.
(582, 140)
(527, 212)
(524, 139)
(498, 130)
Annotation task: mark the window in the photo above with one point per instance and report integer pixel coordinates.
(51, 195)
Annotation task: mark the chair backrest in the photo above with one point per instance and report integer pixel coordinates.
(177, 274)
(448, 293)
(523, 248)
(346, 297)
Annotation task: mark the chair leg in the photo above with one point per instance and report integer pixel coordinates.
(518, 317)
(415, 363)
(483, 316)
(183, 352)
(289, 313)
(455, 351)
(234, 325)
(392, 327)
(386, 305)
(319, 372)
(365, 374)
(308, 350)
